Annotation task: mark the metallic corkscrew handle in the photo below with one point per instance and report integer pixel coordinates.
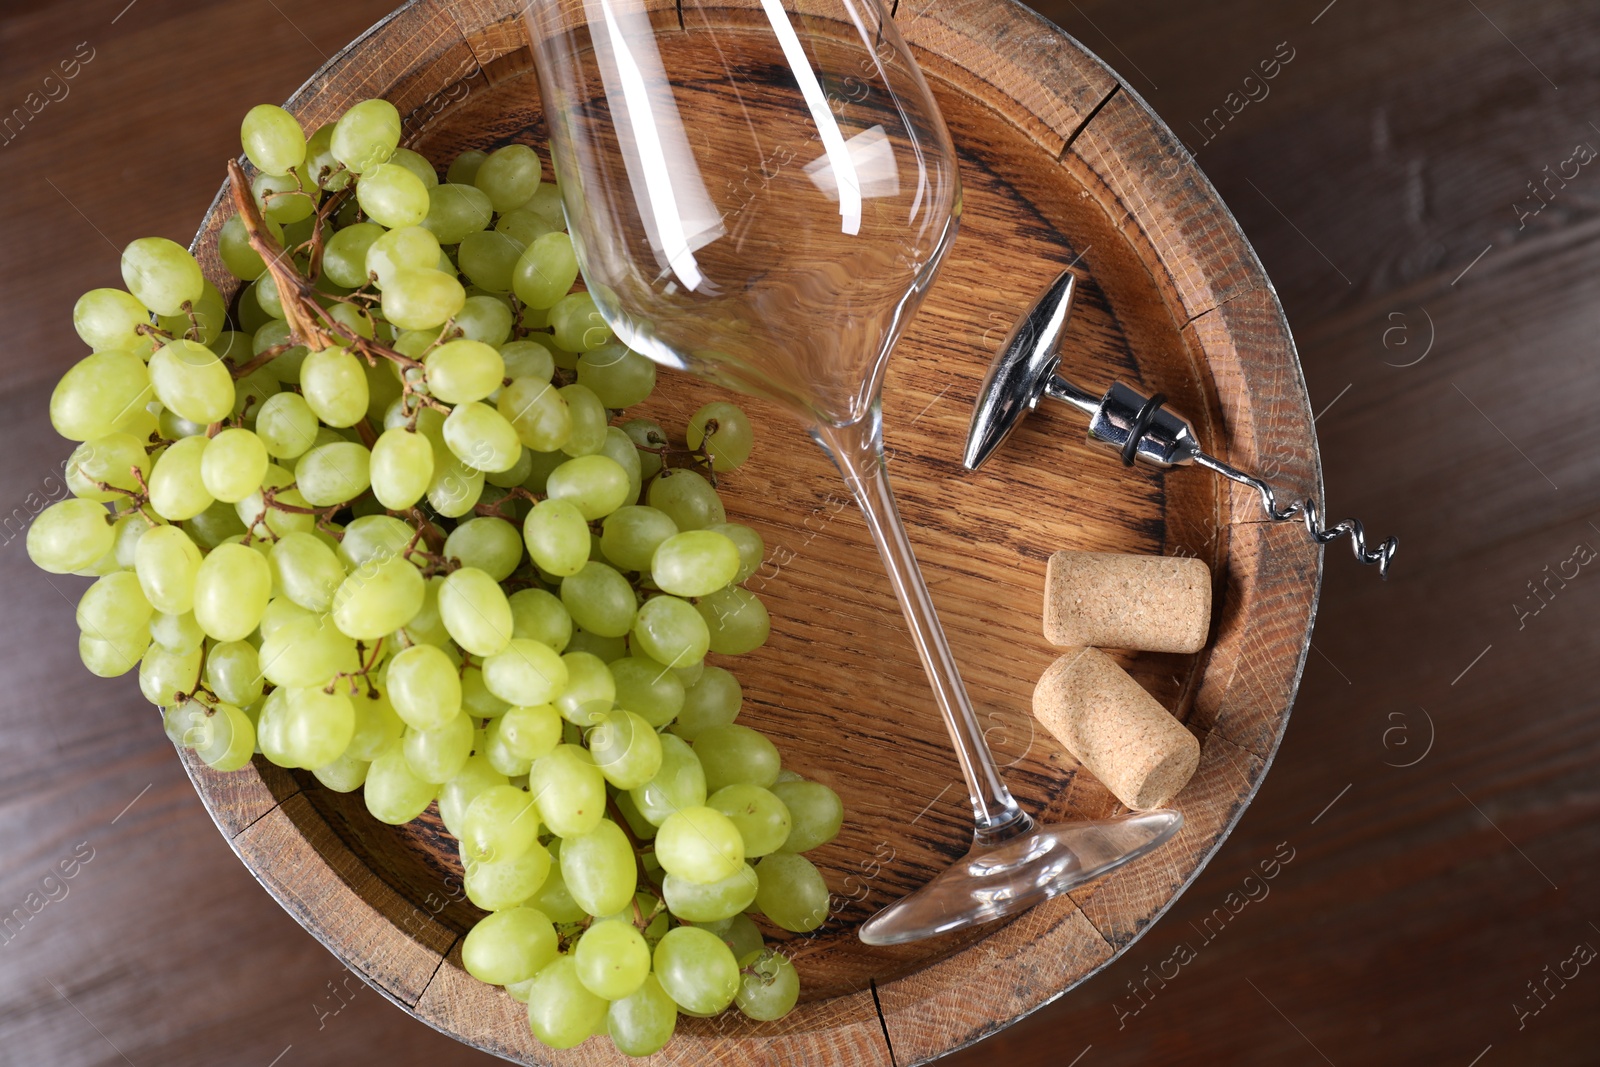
(1139, 427)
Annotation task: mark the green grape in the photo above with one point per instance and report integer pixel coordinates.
(595, 485)
(373, 537)
(509, 946)
(163, 675)
(167, 561)
(265, 290)
(527, 359)
(769, 988)
(578, 324)
(129, 527)
(546, 201)
(490, 544)
(642, 1023)
(462, 371)
(699, 844)
(557, 534)
(437, 755)
(598, 868)
(335, 387)
(606, 649)
(233, 465)
(475, 611)
(736, 755)
(285, 199)
(333, 473)
(481, 437)
(233, 672)
(100, 395)
(286, 425)
(417, 164)
(570, 792)
(589, 419)
(488, 258)
(455, 211)
(613, 959)
(740, 934)
(529, 732)
(498, 886)
(546, 271)
(205, 320)
(539, 615)
(111, 459)
(476, 698)
(561, 1012)
(379, 598)
(344, 257)
(464, 168)
(649, 439)
(177, 490)
(696, 970)
(281, 611)
(306, 570)
(319, 163)
(620, 378)
(366, 135)
(214, 525)
(552, 897)
(525, 672)
(815, 813)
(228, 738)
(508, 176)
(600, 600)
(678, 784)
(424, 687)
(393, 792)
(792, 893)
(306, 651)
(762, 818)
(485, 317)
(710, 901)
(632, 533)
(523, 226)
(317, 726)
(392, 196)
(401, 468)
(671, 631)
(689, 499)
(110, 319)
(736, 619)
(161, 274)
(178, 633)
(500, 824)
(344, 775)
(70, 535)
(625, 749)
(420, 299)
(272, 139)
(231, 591)
(538, 411)
(109, 659)
(590, 689)
(694, 563)
(619, 448)
(748, 542)
(501, 758)
(648, 688)
(407, 248)
(457, 795)
(238, 256)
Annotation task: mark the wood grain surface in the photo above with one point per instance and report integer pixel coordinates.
(1436, 789)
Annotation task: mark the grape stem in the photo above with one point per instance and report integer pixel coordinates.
(309, 323)
(139, 498)
(261, 359)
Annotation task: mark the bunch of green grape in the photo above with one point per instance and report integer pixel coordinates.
(375, 521)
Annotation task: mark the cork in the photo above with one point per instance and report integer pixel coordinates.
(1116, 600)
(1117, 730)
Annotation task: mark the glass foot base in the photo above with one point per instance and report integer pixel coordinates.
(1014, 875)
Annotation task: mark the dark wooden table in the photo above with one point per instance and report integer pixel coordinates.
(1416, 881)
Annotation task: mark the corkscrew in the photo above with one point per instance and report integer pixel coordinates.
(1139, 427)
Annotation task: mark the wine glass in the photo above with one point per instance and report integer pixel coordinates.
(760, 192)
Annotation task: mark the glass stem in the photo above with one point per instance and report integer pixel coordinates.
(857, 449)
